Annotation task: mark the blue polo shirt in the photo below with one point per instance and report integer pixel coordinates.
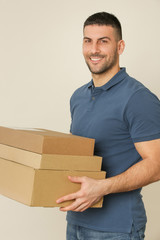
(117, 115)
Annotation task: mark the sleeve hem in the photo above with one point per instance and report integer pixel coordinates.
(146, 138)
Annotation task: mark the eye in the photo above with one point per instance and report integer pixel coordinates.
(87, 40)
(104, 41)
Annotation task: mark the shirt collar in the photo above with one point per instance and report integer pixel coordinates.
(113, 81)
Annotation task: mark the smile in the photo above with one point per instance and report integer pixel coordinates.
(96, 59)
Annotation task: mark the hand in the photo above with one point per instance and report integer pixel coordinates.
(90, 193)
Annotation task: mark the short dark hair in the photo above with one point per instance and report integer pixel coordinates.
(104, 18)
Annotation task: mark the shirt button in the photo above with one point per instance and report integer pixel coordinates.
(93, 98)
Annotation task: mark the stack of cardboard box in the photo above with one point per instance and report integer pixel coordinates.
(35, 165)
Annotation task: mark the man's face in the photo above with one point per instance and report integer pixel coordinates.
(100, 48)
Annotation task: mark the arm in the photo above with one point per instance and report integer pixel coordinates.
(139, 175)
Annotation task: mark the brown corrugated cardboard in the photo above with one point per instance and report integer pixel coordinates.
(46, 141)
(51, 161)
(38, 187)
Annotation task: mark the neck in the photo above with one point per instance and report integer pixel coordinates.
(101, 79)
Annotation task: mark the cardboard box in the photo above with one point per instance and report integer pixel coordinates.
(39, 187)
(51, 161)
(46, 141)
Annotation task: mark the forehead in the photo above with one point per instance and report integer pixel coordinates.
(99, 31)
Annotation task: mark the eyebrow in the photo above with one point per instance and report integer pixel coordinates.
(98, 38)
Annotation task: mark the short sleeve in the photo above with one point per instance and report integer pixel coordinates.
(142, 115)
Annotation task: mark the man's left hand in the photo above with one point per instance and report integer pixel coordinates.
(90, 193)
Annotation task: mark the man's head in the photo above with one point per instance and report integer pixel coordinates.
(102, 42)
(107, 19)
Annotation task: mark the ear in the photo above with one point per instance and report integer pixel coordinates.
(121, 47)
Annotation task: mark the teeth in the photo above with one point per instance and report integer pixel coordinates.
(96, 59)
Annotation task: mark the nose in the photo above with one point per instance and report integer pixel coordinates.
(95, 48)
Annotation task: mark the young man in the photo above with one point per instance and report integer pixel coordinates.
(123, 116)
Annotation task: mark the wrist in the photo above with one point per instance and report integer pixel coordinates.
(106, 186)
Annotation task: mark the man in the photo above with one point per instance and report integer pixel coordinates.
(123, 116)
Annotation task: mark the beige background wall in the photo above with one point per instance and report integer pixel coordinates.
(41, 65)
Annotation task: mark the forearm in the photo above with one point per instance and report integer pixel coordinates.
(137, 176)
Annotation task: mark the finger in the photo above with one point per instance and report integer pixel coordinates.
(72, 206)
(82, 207)
(85, 206)
(75, 179)
(67, 197)
(72, 195)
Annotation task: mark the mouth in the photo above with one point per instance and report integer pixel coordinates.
(95, 60)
